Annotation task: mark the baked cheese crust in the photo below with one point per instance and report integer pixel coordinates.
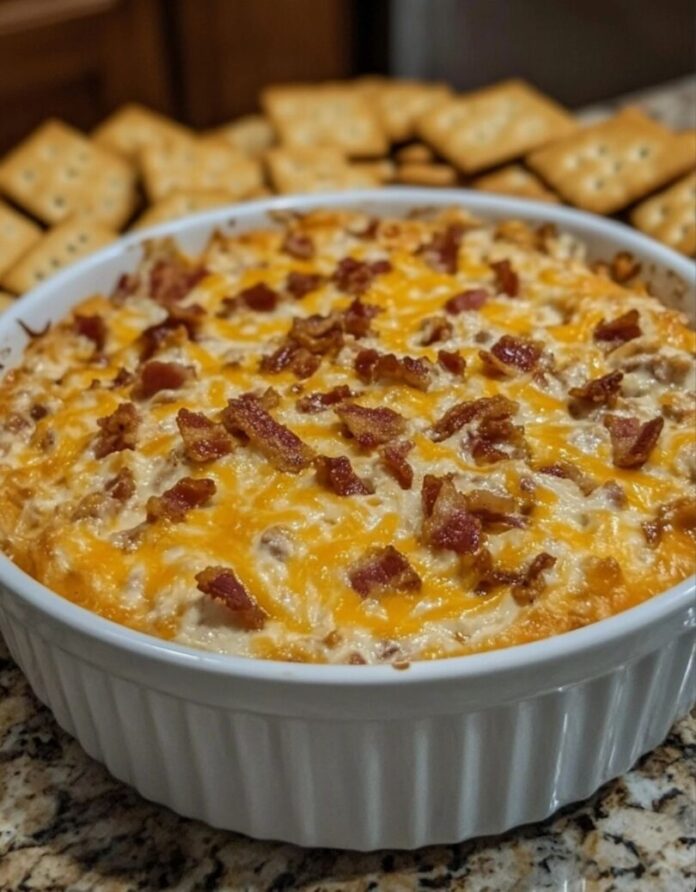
(358, 440)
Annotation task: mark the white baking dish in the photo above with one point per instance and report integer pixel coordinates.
(356, 756)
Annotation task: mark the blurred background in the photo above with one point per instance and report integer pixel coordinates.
(204, 61)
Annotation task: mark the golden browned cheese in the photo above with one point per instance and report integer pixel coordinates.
(288, 525)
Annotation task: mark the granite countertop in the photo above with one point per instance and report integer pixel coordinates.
(65, 824)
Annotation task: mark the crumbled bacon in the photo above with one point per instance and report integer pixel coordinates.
(175, 503)
(449, 524)
(122, 379)
(595, 392)
(126, 285)
(357, 317)
(442, 251)
(631, 441)
(492, 432)
(118, 431)
(260, 297)
(221, 584)
(531, 583)
(93, 328)
(495, 511)
(290, 356)
(298, 245)
(301, 284)
(435, 329)
(472, 299)
(679, 514)
(370, 427)
(204, 440)
(122, 486)
(566, 470)
(172, 279)
(180, 321)
(452, 361)
(394, 460)
(623, 267)
(356, 276)
(154, 376)
(382, 570)
(509, 355)
(619, 331)
(506, 279)
(284, 449)
(337, 474)
(454, 419)
(318, 334)
(374, 366)
(318, 401)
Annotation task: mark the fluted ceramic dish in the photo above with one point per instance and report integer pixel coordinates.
(356, 756)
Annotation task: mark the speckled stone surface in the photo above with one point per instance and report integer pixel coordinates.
(65, 824)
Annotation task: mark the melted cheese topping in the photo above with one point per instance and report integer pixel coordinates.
(146, 579)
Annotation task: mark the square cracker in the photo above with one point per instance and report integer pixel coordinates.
(670, 216)
(606, 166)
(400, 103)
(59, 247)
(132, 127)
(17, 235)
(316, 170)
(337, 115)
(6, 300)
(251, 134)
(57, 172)
(203, 164)
(180, 204)
(493, 125)
(515, 180)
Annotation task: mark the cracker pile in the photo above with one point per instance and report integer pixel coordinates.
(67, 193)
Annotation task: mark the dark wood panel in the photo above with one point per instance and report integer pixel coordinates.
(229, 49)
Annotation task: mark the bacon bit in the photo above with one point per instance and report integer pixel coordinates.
(175, 503)
(122, 486)
(451, 361)
(531, 583)
(318, 334)
(123, 379)
(382, 570)
(31, 333)
(442, 252)
(180, 320)
(358, 316)
(37, 412)
(301, 284)
(492, 431)
(510, 354)
(623, 267)
(369, 231)
(631, 441)
(118, 431)
(595, 392)
(337, 474)
(126, 285)
(155, 376)
(506, 279)
(172, 279)
(394, 461)
(289, 356)
(356, 276)
(204, 440)
(430, 489)
(495, 511)
(449, 523)
(615, 493)
(679, 514)
(298, 245)
(434, 329)
(283, 449)
(370, 427)
(454, 419)
(318, 401)
(473, 299)
(568, 471)
(221, 584)
(259, 297)
(374, 366)
(619, 331)
(93, 328)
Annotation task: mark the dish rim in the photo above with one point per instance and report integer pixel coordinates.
(488, 663)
